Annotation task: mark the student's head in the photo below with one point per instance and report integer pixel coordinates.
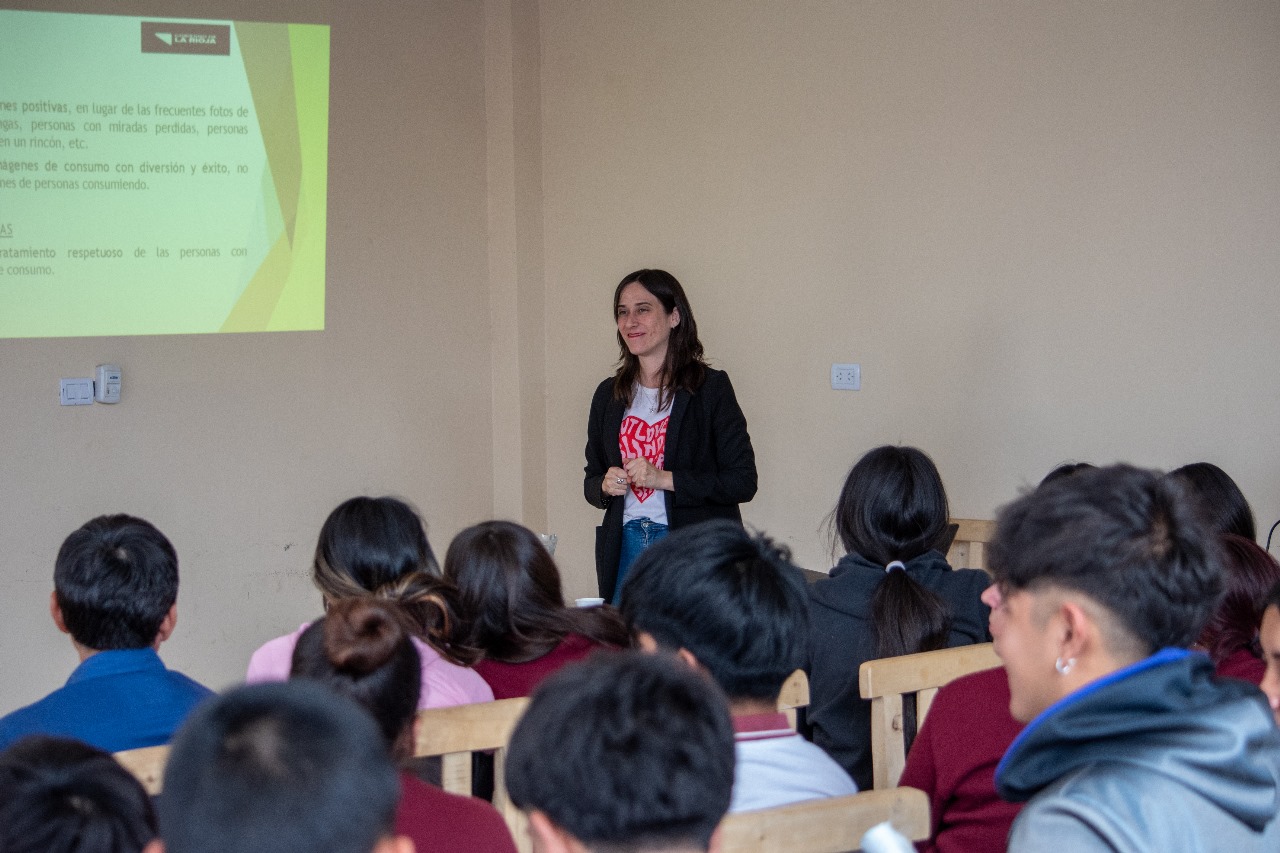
(1220, 498)
(279, 767)
(624, 752)
(361, 649)
(729, 599)
(1066, 469)
(1269, 639)
(378, 547)
(892, 509)
(1094, 572)
(1248, 574)
(62, 796)
(115, 584)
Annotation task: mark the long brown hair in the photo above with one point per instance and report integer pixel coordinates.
(511, 599)
(684, 368)
(377, 547)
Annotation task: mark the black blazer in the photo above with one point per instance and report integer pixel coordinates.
(708, 453)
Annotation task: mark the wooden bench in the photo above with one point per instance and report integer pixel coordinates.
(833, 825)
(147, 765)
(969, 547)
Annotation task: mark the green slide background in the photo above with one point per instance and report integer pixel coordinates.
(270, 205)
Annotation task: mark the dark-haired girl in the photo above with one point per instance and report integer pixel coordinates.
(667, 444)
(377, 548)
(363, 648)
(891, 594)
(514, 612)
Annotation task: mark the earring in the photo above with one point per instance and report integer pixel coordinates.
(1064, 668)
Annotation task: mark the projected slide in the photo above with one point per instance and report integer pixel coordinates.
(161, 176)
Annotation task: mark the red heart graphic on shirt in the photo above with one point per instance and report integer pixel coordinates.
(638, 439)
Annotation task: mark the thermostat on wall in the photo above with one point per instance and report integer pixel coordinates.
(106, 388)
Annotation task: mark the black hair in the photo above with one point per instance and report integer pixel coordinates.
(685, 368)
(361, 648)
(732, 599)
(625, 751)
(115, 580)
(1131, 540)
(510, 596)
(1066, 469)
(1272, 599)
(278, 767)
(1220, 498)
(378, 547)
(893, 507)
(59, 795)
(1248, 573)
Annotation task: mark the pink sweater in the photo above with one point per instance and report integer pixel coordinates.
(444, 684)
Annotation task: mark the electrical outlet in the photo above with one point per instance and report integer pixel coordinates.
(846, 377)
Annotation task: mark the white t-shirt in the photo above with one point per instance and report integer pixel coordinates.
(644, 433)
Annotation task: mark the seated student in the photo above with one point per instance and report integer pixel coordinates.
(1219, 497)
(377, 547)
(891, 594)
(62, 796)
(1101, 581)
(733, 607)
(279, 768)
(1269, 639)
(623, 752)
(512, 609)
(361, 649)
(1231, 635)
(115, 587)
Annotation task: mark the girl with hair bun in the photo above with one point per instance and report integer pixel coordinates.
(364, 649)
(891, 594)
(376, 548)
(514, 611)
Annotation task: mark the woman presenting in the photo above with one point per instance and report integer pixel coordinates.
(667, 444)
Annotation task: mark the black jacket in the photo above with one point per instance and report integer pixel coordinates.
(708, 453)
(842, 636)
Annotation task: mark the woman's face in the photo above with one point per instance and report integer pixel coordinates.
(1025, 639)
(643, 322)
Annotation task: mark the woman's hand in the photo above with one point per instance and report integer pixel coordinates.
(615, 482)
(644, 476)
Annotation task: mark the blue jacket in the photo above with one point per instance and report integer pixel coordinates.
(114, 700)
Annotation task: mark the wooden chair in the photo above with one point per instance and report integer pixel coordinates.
(969, 548)
(794, 695)
(885, 681)
(147, 765)
(833, 825)
(455, 733)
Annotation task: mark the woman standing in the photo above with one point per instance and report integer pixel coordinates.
(667, 444)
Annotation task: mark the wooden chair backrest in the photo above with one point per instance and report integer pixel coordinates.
(885, 681)
(147, 765)
(969, 548)
(454, 733)
(795, 694)
(832, 825)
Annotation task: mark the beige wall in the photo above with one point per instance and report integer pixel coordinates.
(1046, 230)
(237, 446)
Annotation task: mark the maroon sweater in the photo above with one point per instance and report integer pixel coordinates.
(510, 680)
(440, 822)
(954, 759)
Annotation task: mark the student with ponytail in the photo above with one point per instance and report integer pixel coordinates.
(376, 548)
(891, 594)
(363, 649)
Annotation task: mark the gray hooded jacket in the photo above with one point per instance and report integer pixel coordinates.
(1160, 756)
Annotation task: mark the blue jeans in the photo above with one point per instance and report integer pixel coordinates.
(637, 534)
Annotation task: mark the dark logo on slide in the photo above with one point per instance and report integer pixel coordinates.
(205, 39)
